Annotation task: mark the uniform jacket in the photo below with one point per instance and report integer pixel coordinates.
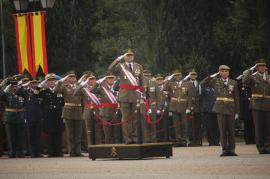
(259, 87)
(125, 95)
(229, 91)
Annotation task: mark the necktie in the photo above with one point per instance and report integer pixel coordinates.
(194, 84)
(130, 67)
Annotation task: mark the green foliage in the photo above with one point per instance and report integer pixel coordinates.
(165, 34)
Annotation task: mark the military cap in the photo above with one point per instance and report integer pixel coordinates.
(193, 72)
(71, 73)
(129, 52)
(177, 72)
(12, 81)
(50, 76)
(159, 77)
(224, 67)
(109, 75)
(260, 62)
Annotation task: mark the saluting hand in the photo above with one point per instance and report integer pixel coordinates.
(121, 57)
(253, 68)
(214, 75)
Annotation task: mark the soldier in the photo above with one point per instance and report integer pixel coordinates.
(14, 119)
(108, 108)
(52, 109)
(33, 115)
(160, 108)
(91, 108)
(178, 93)
(260, 104)
(149, 124)
(226, 106)
(72, 112)
(194, 124)
(131, 87)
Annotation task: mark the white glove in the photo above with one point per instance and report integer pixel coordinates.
(82, 78)
(158, 111)
(83, 83)
(253, 68)
(100, 80)
(149, 111)
(239, 77)
(236, 116)
(121, 57)
(42, 84)
(170, 113)
(7, 88)
(26, 84)
(64, 79)
(188, 111)
(214, 75)
(187, 77)
(170, 77)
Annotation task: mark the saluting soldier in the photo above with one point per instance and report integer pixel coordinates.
(108, 107)
(91, 104)
(260, 103)
(226, 106)
(131, 87)
(53, 124)
(178, 93)
(14, 119)
(33, 115)
(72, 112)
(194, 124)
(149, 123)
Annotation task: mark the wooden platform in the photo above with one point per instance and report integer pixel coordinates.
(130, 151)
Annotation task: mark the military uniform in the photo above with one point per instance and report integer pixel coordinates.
(226, 106)
(108, 108)
(194, 107)
(260, 105)
(178, 93)
(33, 116)
(149, 123)
(53, 124)
(128, 96)
(72, 115)
(15, 122)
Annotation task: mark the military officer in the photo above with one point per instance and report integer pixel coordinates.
(91, 108)
(178, 93)
(53, 124)
(14, 119)
(226, 106)
(131, 87)
(194, 124)
(72, 112)
(33, 115)
(108, 108)
(260, 104)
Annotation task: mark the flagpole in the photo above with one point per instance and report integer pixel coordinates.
(3, 39)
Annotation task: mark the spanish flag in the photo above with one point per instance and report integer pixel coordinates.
(23, 43)
(38, 39)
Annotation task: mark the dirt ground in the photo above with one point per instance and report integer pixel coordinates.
(193, 162)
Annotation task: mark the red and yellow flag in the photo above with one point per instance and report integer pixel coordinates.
(38, 39)
(23, 43)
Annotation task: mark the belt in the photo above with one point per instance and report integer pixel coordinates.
(73, 104)
(225, 99)
(90, 106)
(178, 99)
(13, 110)
(131, 87)
(102, 105)
(260, 96)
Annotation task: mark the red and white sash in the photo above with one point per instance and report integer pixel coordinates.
(92, 96)
(129, 75)
(110, 95)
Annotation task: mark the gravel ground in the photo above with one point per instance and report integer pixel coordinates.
(194, 162)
